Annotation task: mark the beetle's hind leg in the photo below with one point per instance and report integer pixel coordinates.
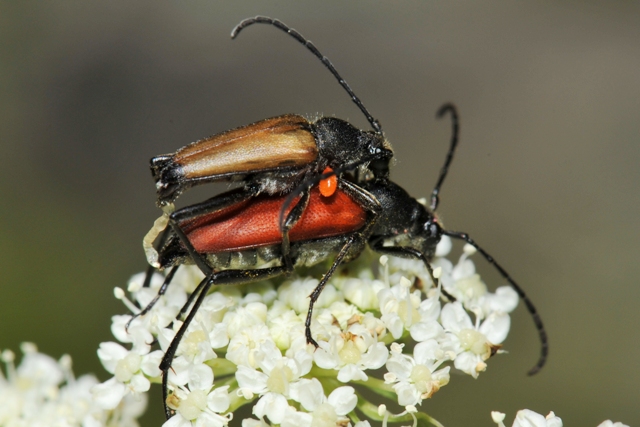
(225, 277)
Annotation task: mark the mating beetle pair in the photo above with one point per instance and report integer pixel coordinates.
(308, 190)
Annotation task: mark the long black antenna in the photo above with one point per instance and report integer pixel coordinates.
(455, 131)
(544, 341)
(375, 124)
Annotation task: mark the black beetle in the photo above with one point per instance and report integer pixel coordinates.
(236, 239)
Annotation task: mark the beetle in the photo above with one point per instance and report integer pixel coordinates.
(236, 239)
(276, 155)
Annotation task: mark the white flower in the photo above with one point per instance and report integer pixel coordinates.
(195, 345)
(415, 269)
(42, 391)
(295, 418)
(252, 339)
(131, 372)
(414, 378)
(504, 300)
(287, 329)
(325, 411)
(295, 294)
(399, 307)
(363, 293)
(609, 423)
(274, 380)
(163, 311)
(528, 418)
(476, 343)
(351, 353)
(249, 422)
(252, 314)
(245, 347)
(198, 401)
(428, 327)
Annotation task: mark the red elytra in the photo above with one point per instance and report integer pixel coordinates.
(254, 223)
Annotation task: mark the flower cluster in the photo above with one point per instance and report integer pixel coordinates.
(395, 334)
(528, 418)
(41, 391)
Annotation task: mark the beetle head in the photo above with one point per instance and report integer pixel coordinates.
(342, 144)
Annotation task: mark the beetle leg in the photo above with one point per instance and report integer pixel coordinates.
(149, 275)
(544, 351)
(315, 294)
(161, 291)
(408, 252)
(224, 277)
(369, 202)
(366, 199)
(292, 219)
(209, 206)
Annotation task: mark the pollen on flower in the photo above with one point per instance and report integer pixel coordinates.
(193, 405)
(247, 344)
(279, 379)
(191, 343)
(475, 342)
(349, 353)
(421, 377)
(481, 367)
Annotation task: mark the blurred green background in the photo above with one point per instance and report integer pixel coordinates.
(546, 177)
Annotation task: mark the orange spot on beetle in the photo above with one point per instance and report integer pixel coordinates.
(329, 185)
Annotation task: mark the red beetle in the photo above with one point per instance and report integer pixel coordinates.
(277, 156)
(309, 190)
(236, 239)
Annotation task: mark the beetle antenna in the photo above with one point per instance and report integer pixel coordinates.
(544, 341)
(455, 131)
(375, 124)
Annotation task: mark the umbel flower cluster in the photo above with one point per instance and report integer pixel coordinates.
(41, 391)
(389, 341)
(395, 335)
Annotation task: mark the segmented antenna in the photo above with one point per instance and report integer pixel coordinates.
(544, 342)
(375, 124)
(455, 130)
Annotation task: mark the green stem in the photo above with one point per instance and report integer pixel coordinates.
(371, 412)
(319, 373)
(424, 418)
(222, 367)
(379, 387)
(236, 401)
